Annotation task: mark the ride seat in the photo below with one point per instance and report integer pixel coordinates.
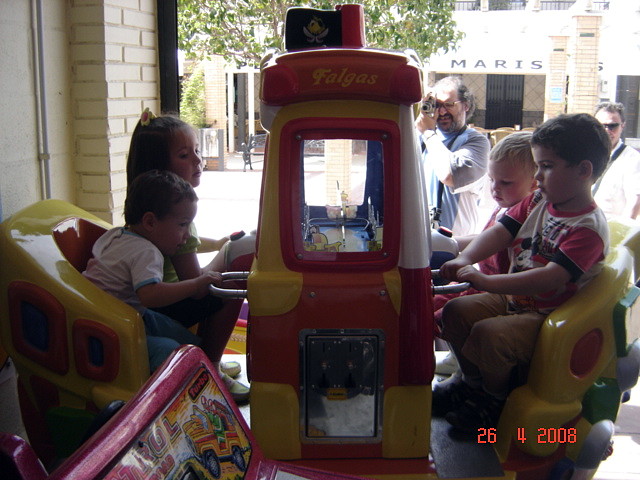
(75, 347)
(498, 134)
(75, 238)
(575, 358)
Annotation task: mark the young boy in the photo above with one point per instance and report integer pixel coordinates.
(510, 171)
(128, 261)
(555, 248)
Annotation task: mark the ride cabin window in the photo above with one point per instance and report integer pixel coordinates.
(341, 196)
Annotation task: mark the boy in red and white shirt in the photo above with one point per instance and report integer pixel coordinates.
(555, 248)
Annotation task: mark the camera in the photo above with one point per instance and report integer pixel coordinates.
(429, 106)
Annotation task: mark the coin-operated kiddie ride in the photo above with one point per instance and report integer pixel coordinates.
(340, 336)
(340, 294)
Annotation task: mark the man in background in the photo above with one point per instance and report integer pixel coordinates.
(455, 157)
(618, 190)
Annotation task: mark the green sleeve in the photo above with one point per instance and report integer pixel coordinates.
(191, 246)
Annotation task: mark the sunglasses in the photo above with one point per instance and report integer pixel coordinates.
(610, 126)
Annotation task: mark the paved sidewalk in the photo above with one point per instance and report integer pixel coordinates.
(624, 464)
(229, 199)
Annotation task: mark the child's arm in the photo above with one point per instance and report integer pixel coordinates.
(530, 282)
(211, 244)
(164, 293)
(186, 266)
(464, 241)
(485, 244)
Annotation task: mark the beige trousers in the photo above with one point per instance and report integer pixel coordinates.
(488, 340)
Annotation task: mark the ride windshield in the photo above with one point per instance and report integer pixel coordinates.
(342, 195)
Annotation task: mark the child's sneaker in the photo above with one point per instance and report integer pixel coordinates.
(448, 395)
(480, 410)
(239, 392)
(447, 365)
(232, 369)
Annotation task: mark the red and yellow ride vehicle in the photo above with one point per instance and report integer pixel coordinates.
(340, 293)
(76, 348)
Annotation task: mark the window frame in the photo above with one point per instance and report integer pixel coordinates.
(292, 138)
(167, 22)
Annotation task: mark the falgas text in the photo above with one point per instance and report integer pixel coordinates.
(343, 77)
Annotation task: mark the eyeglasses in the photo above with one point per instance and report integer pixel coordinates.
(446, 105)
(610, 126)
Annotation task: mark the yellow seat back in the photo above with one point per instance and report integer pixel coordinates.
(75, 347)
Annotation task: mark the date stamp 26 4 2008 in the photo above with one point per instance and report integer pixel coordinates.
(543, 435)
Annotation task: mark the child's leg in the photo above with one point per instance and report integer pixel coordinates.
(215, 332)
(236, 255)
(459, 316)
(217, 328)
(494, 347)
(214, 317)
(159, 349)
(498, 345)
(160, 325)
(439, 301)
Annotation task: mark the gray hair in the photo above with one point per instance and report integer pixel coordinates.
(464, 94)
(611, 107)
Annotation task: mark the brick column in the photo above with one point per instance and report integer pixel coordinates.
(216, 92)
(555, 98)
(338, 155)
(583, 64)
(114, 77)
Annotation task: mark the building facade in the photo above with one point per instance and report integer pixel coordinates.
(529, 61)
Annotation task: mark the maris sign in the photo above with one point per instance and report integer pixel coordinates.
(477, 64)
(496, 64)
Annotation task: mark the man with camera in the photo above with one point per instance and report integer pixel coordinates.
(454, 156)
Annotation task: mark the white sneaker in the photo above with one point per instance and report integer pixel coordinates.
(231, 368)
(239, 392)
(447, 365)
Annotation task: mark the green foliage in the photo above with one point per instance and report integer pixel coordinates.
(241, 31)
(192, 104)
